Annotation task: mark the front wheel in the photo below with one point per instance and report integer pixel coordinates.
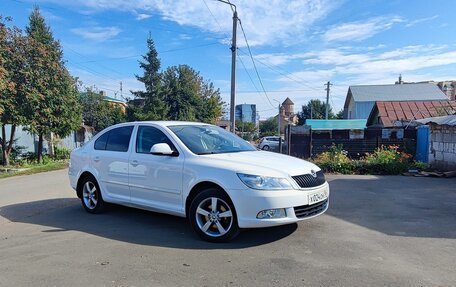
(213, 217)
(266, 147)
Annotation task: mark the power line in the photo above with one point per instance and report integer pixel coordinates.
(247, 72)
(254, 65)
(159, 52)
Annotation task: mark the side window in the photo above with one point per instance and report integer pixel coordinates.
(119, 139)
(100, 143)
(148, 136)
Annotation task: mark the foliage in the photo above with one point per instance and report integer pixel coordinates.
(315, 109)
(247, 130)
(61, 153)
(335, 160)
(388, 160)
(269, 127)
(53, 104)
(177, 93)
(37, 168)
(97, 112)
(154, 107)
(13, 47)
(384, 160)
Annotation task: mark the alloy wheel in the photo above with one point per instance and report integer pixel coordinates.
(214, 217)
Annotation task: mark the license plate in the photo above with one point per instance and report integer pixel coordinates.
(317, 197)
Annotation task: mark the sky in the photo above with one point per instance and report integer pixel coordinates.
(297, 46)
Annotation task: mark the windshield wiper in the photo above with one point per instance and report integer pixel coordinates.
(207, 152)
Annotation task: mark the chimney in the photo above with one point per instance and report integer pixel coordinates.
(400, 82)
(103, 93)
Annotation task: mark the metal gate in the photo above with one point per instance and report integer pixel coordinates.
(422, 144)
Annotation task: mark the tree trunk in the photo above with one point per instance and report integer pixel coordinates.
(40, 148)
(11, 141)
(5, 159)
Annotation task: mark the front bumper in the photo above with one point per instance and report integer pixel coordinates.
(249, 202)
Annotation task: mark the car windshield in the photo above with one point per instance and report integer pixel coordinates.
(206, 139)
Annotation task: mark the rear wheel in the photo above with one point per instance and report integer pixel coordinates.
(213, 217)
(91, 198)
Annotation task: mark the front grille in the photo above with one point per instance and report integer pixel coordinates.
(307, 180)
(304, 211)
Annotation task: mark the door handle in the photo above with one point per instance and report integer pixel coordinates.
(134, 163)
(96, 159)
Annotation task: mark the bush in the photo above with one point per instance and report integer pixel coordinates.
(384, 160)
(61, 153)
(335, 160)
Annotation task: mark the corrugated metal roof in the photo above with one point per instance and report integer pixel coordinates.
(445, 120)
(391, 112)
(337, 124)
(402, 92)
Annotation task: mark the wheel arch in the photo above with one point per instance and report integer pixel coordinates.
(81, 178)
(197, 188)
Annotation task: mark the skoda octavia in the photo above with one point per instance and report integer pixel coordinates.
(218, 181)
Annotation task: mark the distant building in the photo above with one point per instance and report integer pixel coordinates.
(361, 99)
(246, 113)
(287, 114)
(114, 102)
(447, 87)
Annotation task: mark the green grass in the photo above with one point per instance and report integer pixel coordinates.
(37, 168)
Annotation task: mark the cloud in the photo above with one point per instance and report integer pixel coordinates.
(142, 16)
(360, 30)
(273, 23)
(421, 20)
(98, 34)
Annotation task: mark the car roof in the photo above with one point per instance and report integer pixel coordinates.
(165, 123)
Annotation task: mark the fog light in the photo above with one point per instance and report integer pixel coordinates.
(271, 213)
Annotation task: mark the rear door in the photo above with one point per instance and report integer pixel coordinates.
(110, 159)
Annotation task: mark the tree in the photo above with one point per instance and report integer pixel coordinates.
(53, 104)
(153, 107)
(247, 130)
(13, 47)
(315, 109)
(269, 127)
(340, 114)
(177, 93)
(97, 112)
(189, 97)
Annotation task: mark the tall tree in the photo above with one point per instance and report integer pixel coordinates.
(315, 109)
(189, 97)
(13, 48)
(53, 104)
(152, 106)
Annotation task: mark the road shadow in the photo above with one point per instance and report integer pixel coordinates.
(397, 205)
(130, 225)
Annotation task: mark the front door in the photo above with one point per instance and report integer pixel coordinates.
(155, 180)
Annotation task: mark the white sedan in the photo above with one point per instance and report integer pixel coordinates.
(217, 180)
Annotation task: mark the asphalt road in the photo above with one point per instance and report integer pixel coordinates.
(379, 231)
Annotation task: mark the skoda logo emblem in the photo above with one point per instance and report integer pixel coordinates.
(313, 173)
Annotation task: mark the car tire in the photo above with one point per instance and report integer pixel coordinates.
(217, 224)
(266, 147)
(91, 197)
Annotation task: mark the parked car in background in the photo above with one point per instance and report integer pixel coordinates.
(269, 143)
(217, 180)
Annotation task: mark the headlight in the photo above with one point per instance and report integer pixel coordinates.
(264, 182)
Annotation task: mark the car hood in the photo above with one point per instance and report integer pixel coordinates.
(262, 163)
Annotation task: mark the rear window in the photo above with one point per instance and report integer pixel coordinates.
(117, 139)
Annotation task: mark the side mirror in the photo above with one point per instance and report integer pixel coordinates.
(162, 149)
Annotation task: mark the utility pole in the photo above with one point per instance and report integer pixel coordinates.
(233, 66)
(121, 94)
(328, 85)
